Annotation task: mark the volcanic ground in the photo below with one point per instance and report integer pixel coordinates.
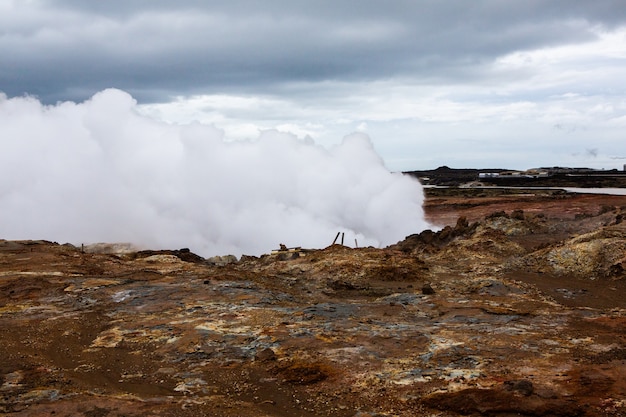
(514, 305)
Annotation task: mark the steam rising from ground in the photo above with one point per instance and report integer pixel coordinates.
(98, 171)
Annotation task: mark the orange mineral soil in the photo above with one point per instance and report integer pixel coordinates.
(514, 305)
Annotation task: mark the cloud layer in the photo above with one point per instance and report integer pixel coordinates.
(157, 50)
(100, 171)
(433, 83)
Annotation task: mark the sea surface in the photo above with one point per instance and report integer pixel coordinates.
(579, 190)
(611, 191)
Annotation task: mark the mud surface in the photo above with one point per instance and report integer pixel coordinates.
(514, 307)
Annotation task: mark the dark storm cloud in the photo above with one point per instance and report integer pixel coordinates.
(69, 49)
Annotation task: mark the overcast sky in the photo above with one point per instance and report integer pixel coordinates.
(482, 83)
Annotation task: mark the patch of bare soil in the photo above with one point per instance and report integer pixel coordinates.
(514, 306)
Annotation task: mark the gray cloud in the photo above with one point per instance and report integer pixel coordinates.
(591, 152)
(432, 82)
(70, 49)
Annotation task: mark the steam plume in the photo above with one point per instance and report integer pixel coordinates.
(99, 171)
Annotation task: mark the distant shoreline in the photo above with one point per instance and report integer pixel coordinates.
(556, 177)
(577, 190)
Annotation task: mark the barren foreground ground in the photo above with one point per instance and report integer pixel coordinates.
(517, 307)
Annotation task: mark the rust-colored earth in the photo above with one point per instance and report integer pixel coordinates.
(515, 307)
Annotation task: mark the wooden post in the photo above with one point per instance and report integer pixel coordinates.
(336, 237)
(342, 239)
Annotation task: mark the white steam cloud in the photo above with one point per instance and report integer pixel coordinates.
(99, 171)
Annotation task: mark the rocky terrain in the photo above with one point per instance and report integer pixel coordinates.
(514, 306)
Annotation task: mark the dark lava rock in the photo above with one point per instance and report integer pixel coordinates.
(183, 254)
(523, 387)
(427, 289)
(494, 402)
(305, 373)
(430, 241)
(288, 256)
(339, 285)
(265, 355)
